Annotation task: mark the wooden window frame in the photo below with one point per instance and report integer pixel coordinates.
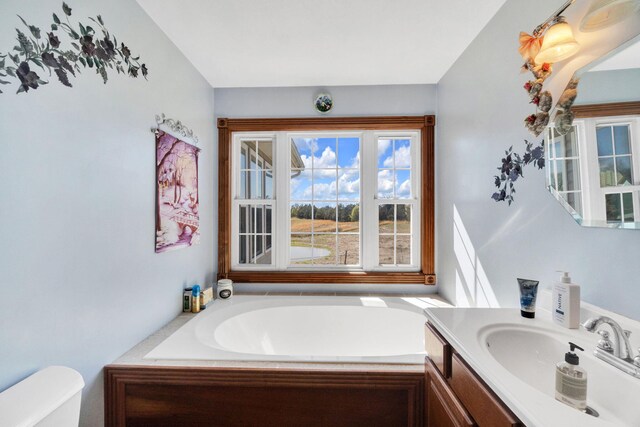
(424, 124)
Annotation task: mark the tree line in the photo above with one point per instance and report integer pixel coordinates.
(347, 212)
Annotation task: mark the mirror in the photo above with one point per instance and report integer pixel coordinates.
(594, 169)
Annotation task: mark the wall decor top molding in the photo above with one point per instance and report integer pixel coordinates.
(175, 126)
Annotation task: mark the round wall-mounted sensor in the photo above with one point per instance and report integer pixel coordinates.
(323, 103)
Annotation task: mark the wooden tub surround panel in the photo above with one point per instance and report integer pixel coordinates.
(189, 396)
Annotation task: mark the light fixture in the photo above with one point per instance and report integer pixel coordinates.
(558, 42)
(604, 13)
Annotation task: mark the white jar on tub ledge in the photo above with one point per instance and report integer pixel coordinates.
(225, 288)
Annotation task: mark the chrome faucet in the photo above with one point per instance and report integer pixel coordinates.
(618, 353)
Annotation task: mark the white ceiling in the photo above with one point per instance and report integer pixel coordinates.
(627, 58)
(250, 43)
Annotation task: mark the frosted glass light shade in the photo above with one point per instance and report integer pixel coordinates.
(558, 44)
(604, 13)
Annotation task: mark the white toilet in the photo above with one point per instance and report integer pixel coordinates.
(49, 398)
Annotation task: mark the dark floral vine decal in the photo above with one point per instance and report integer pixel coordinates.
(511, 169)
(88, 49)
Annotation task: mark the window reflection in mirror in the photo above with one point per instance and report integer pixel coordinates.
(594, 169)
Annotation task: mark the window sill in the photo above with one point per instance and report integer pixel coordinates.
(369, 277)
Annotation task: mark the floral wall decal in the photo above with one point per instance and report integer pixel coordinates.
(88, 48)
(511, 169)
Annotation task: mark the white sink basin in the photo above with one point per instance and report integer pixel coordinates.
(530, 354)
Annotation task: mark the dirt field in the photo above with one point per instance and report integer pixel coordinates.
(348, 244)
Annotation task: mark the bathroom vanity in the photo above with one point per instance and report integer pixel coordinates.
(492, 367)
(454, 394)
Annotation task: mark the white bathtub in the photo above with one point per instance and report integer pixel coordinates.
(302, 329)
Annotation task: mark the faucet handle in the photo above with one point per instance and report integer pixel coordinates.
(605, 343)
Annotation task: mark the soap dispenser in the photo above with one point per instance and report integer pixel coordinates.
(571, 380)
(566, 303)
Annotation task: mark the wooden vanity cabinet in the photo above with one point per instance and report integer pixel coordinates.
(454, 394)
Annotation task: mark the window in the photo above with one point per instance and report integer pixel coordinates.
(595, 168)
(563, 171)
(333, 200)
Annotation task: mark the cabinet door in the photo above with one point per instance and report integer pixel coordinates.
(442, 407)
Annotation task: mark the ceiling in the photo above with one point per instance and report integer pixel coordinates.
(627, 58)
(252, 43)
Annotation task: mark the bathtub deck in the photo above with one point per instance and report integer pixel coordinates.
(135, 356)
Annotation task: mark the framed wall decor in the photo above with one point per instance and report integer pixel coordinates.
(177, 200)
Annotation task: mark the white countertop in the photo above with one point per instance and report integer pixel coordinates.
(463, 328)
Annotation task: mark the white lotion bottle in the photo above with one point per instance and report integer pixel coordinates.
(566, 303)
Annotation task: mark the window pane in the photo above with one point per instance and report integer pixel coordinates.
(403, 250)
(348, 218)
(349, 153)
(265, 151)
(607, 172)
(403, 219)
(385, 183)
(264, 257)
(612, 206)
(348, 184)
(300, 184)
(252, 220)
(268, 220)
(258, 247)
(300, 249)
(259, 219)
(627, 204)
(402, 153)
(243, 219)
(560, 174)
(621, 135)
(324, 153)
(244, 186)
(243, 249)
(385, 218)
(605, 145)
(572, 177)
(385, 153)
(552, 175)
(623, 164)
(324, 217)
(569, 144)
(268, 185)
(301, 152)
(403, 184)
(301, 218)
(324, 184)
(324, 249)
(256, 191)
(348, 249)
(385, 248)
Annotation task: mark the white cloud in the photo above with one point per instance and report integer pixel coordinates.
(385, 181)
(383, 146)
(404, 190)
(403, 158)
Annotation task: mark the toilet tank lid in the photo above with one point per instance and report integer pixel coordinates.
(35, 397)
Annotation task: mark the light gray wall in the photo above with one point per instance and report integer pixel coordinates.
(483, 246)
(395, 100)
(348, 101)
(79, 280)
(598, 87)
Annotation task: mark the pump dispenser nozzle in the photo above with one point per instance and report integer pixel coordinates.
(571, 357)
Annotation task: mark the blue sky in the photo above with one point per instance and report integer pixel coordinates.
(322, 156)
